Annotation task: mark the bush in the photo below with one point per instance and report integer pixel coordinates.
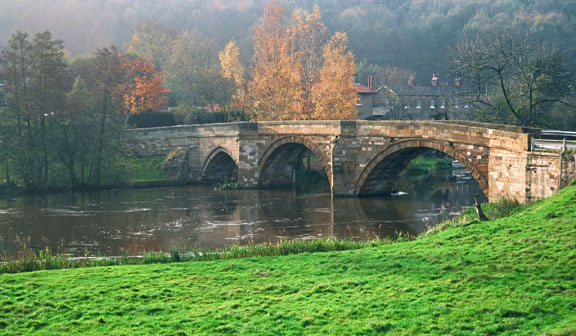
(502, 208)
(151, 119)
(191, 115)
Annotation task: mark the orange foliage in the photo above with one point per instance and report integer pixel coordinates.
(142, 89)
(308, 36)
(334, 96)
(275, 88)
(234, 71)
(296, 73)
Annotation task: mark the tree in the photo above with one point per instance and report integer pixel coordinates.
(106, 75)
(74, 138)
(16, 65)
(334, 96)
(515, 82)
(142, 88)
(35, 75)
(153, 42)
(398, 80)
(308, 37)
(193, 72)
(275, 89)
(234, 72)
(48, 84)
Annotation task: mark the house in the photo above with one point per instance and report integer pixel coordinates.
(416, 102)
(365, 102)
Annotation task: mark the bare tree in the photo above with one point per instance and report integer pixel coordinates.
(514, 81)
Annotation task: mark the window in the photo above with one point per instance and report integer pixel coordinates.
(456, 103)
(407, 106)
(419, 104)
(432, 104)
(443, 103)
(466, 106)
(359, 101)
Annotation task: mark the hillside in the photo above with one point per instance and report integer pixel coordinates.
(415, 34)
(512, 276)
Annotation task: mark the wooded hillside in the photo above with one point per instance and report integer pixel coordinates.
(415, 34)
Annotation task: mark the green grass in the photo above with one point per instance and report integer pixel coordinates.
(511, 276)
(147, 169)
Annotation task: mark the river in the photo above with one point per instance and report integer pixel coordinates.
(133, 221)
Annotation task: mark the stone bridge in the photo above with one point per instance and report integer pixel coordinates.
(359, 157)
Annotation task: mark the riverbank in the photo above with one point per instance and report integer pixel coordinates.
(515, 275)
(143, 173)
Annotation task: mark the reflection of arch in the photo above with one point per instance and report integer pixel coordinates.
(220, 166)
(379, 173)
(276, 166)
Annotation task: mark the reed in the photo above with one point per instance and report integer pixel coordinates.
(28, 260)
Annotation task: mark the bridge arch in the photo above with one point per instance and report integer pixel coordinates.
(380, 173)
(278, 162)
(220, 166)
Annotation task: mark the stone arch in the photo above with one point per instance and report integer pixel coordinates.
(276, 165)
(395, 157)
(220, 166)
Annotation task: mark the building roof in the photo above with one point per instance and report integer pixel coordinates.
(428, 91)
(363, 88)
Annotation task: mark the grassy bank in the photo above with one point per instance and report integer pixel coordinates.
(147, 169)
(141, 172)
(511, 276)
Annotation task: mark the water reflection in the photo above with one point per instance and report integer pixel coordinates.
(115, 221)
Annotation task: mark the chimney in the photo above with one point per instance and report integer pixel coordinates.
(434, 79)
(411, 79)
(370, 82)
(457, 82)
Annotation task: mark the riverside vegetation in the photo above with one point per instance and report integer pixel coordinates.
(513, 275)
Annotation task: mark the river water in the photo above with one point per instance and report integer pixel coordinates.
(133, 221)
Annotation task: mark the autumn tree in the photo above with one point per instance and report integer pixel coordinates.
(234, 72)
(275, 87)
(142, 88)
(308, 37)
(334, 96)
(296, 74)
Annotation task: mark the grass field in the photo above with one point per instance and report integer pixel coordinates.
(510, 276)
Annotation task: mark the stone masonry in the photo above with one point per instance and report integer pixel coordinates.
(359, 157)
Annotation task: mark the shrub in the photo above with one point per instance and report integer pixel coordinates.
(151, 119)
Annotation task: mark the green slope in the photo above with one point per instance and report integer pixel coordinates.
(513, 276)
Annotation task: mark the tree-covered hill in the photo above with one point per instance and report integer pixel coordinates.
(415, 34)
